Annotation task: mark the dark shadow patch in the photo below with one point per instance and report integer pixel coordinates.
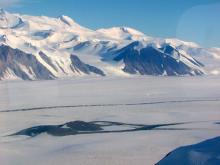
(81, 127)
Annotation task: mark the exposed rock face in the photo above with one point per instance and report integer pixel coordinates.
(22, 65)
(19, 64)
(78, 65)
(157, 61)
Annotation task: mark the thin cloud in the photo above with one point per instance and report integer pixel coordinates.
(9, 3)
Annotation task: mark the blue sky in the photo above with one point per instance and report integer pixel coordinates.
(191, 20)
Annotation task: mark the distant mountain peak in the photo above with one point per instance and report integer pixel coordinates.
(8, 20)
(2, 11)
(2, 14)
(123, 33)
(67, 20)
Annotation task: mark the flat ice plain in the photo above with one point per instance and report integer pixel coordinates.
(193, 102)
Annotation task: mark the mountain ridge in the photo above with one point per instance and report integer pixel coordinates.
(60, 38)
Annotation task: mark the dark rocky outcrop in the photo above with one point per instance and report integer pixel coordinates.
(16, 60)
(78, 65)
(153, 61)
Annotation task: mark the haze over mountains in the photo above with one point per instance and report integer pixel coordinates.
(39, 47)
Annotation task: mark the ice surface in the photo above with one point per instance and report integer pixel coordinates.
(192, 101)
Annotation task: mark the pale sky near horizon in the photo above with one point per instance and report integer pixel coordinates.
(190, 20)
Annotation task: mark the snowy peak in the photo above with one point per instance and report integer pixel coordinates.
(63, 48)
(8, 20)
(2, 11)
(122, 33)
(178, 43)
(67, 20)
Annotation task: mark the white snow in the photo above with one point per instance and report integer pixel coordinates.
(194, 100)
(123, 33)
(57, 37)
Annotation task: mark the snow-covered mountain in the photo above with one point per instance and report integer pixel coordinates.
(204, 153)
(15, 63)
(39, 47)
(151, 60)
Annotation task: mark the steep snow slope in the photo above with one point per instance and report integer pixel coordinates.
(53, 40)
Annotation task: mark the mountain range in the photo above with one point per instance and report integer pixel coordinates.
(40, 47)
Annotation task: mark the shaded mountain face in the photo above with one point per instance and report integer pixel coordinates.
(78, 65)
(148, 60)
(59, 48)
(18, 64)
(204, 153)
(14, 62)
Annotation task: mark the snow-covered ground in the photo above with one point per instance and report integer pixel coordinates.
(191, 102)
